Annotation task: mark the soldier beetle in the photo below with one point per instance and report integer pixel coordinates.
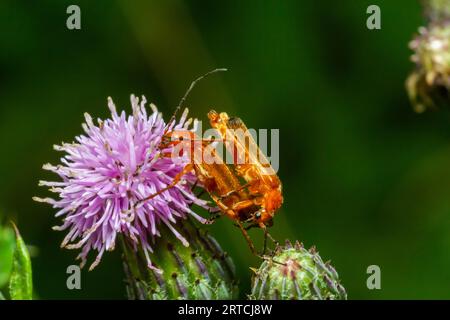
(253, 202)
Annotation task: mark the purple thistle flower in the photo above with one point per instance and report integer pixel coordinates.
(108, 170)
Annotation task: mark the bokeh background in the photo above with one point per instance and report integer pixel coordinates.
(365, 179)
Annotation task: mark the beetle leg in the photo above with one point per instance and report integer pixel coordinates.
(251, 225)
(245, 185)
(242, 205)
(265, 241)
(233, 215)
(194, 185)
(248, 239)
(267, 235)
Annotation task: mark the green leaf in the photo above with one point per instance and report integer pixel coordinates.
(20, 284)
(2, 297)
(6, 254)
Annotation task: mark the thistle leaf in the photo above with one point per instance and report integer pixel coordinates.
(20, 284)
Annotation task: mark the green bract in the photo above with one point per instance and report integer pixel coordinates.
(200, 271)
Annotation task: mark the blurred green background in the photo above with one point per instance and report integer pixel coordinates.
(365, 179)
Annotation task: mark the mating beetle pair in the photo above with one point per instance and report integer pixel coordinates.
(247, 191)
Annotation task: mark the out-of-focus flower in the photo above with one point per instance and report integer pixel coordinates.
(105, 173)
(429, 84)
(201, 271)
(436, 10)
(295, 273)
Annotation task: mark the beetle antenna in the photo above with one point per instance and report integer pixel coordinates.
(180, 104)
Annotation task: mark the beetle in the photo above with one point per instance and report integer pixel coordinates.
(253, 202)
(219, 181)
(262, 182)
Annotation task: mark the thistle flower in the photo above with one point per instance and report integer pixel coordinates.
(105, 173)
(295, 273)
(201, 271)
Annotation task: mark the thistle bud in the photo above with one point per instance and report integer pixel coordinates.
(294, 273)
(200, 270)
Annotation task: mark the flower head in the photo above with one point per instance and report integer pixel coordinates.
(108, 170)
(432, 54)
(428, 85)
(436, 10)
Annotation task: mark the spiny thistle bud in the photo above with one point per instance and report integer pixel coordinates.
(200, 270)
(429, 85)
(295, 273)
